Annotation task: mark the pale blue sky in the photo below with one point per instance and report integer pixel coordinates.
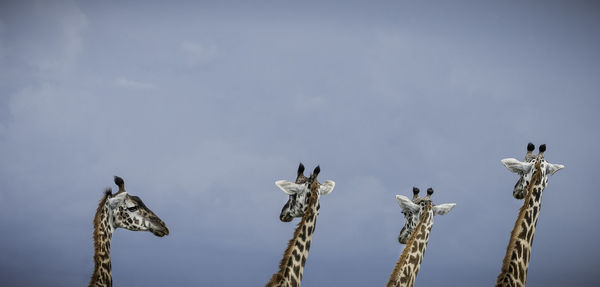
(202, 106)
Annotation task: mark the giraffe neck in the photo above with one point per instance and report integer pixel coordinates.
(291, 266)
(407, 267)
(103, 230)
(516, 260)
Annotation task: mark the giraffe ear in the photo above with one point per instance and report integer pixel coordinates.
(407, 204)
(517, 166)
(288, 187)
(551, 168)
(326, 187)
(442, 209)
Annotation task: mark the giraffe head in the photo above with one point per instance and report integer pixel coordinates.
(526, 169)
(413, 209)
(129, 212)
(299, 192)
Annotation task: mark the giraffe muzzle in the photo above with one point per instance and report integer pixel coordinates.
(286, 218)
(158, 227)
(160, 232)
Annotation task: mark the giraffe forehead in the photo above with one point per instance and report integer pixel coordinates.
(423, 200)
(136, 201)
(301, 179)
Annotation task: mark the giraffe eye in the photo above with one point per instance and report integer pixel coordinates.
(133, 208)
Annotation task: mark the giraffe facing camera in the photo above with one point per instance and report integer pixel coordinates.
(413, 209)
(533, 179)
(526, 169)
(299, 192)
(304, 202)
(419, 214)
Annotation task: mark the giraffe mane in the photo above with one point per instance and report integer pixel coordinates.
(535, 179)
(107, 194)
(287, 254)
(409, 243)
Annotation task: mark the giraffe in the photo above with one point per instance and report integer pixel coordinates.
(533, 179)
(415, 234)
(114, 211)
(303, 202)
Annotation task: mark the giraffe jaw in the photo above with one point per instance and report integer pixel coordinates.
(404, 235)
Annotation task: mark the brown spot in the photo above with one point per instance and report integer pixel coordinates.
(404, 277)
(300, 246)
(519, 248)
(413, 260)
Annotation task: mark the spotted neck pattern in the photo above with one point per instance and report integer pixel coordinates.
(407, 267)
(291, 265)
(516, 260)
(103, 230)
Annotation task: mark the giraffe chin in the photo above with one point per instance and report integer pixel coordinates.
(404, 236)
(286, 218)
(402, 240)
(160, 232)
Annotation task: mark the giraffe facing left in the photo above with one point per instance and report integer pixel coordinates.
(119, 210)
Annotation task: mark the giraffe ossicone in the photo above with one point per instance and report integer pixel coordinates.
(119, 210)
(418, 213)
(533, 178)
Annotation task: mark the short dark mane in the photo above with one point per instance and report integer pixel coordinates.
(97, 242)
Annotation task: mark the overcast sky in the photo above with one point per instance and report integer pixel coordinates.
(202, 106)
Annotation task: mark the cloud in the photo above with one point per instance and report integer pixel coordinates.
(134, 85)
(196, 53)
